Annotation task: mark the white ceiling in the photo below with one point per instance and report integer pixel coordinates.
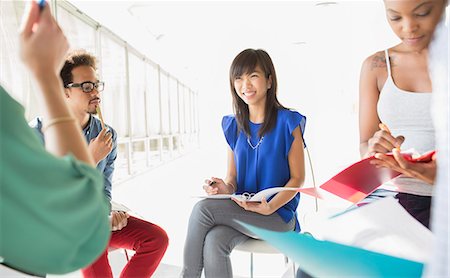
(199, 36)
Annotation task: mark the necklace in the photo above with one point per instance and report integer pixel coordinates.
(257, 145)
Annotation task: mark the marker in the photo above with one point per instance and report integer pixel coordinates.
(41, 4)
(99, 112)
(384, 127)
(211, 183)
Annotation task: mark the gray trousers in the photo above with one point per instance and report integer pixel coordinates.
(212, 234)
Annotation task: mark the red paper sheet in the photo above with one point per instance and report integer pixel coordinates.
(360, 179)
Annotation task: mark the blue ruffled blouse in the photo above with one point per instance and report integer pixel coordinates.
(263, 163)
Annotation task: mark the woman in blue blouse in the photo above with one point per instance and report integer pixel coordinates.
(265, 150)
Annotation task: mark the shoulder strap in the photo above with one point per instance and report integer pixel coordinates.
(388, 62)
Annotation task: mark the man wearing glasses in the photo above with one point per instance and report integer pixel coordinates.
(82, 91)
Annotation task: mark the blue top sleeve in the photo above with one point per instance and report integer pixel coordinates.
(229, 127)
(294, 120)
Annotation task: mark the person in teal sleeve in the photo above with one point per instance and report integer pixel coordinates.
(265, 150)
(53, 212)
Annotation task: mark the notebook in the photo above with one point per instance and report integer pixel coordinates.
(361, 178)
(266, 193)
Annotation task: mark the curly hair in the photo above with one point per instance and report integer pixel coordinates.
(75, 59)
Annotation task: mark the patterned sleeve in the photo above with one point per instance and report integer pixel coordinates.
(293, 120)
(229, 126)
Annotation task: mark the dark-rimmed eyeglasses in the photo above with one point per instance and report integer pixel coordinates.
(87, 86)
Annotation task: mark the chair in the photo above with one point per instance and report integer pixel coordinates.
(125, 251)
(260, 246)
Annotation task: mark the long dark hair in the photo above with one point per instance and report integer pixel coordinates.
(245, 63)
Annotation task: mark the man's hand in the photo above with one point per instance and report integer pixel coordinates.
(101, 146)
(119, 220)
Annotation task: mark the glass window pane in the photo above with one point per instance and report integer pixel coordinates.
(137, 95)
(187, 110)
(138, 156)
(12, 70)
(181, 90)
(173, 90)
(79, 33)
(114, 97)
(195, 109)
(165, 103)
(153, 108)
(166, 146)
(121, 163)
(155, 151)
(192, 110)
(176, 143)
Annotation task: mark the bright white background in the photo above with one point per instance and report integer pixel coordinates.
(317, 49)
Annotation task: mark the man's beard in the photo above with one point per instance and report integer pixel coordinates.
(92, 112)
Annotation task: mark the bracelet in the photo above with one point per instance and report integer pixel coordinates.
(58, 121)
(232, 186)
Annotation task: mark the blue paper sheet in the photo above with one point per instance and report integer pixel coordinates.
(324, 258)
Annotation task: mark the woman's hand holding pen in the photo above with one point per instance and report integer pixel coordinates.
(383, 141)
(217, 186)
(422, 171)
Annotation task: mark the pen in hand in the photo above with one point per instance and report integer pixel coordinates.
(384, 127)
(41, 4)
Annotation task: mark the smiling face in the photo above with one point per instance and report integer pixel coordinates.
(414, 21)
(252, 87)
(78, 100)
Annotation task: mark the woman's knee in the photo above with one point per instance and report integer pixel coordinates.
(202, 208)
(216, 242)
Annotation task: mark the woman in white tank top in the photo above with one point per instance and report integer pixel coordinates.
(395, 90)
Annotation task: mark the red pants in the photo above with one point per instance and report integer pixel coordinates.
(147, 239)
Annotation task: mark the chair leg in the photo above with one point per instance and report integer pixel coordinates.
(126, 255)
(286, 261)
(251, 265)
(293, 269)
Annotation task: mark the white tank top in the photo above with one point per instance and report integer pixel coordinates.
(408, 114)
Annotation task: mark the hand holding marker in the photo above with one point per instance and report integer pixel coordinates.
(385, 128)
(41, 4)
